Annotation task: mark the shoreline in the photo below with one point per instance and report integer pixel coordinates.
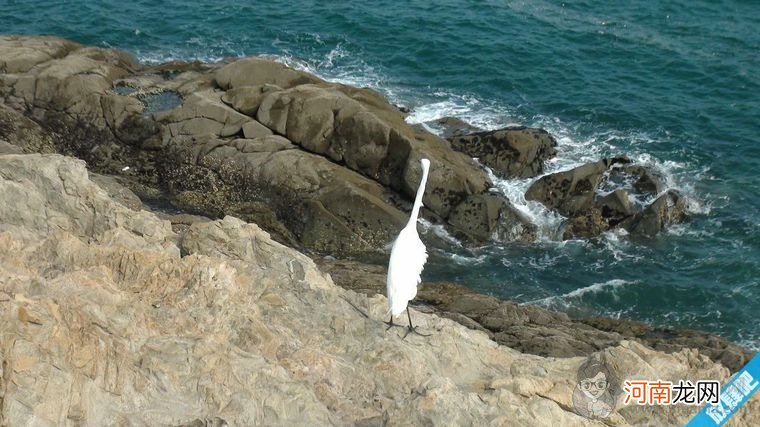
(518, 325)
(147, 189)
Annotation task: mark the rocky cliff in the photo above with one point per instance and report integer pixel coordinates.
(109, 317)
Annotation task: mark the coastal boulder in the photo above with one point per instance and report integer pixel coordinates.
(645, 179)
(576, 195)
(120, 117)
(570, 192)
(68, 90)
(24, 133)
(204, 113)
(513, 152)
(669, 208)
(246, 99)
(450, 127)
(19, 54)
(353, 127)
(260, 71)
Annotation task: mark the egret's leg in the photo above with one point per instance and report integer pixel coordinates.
(390, 323)
(412, 328)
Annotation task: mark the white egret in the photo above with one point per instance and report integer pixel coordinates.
(408, 257)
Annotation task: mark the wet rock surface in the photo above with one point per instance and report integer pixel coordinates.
(578, 195)
(513, 152)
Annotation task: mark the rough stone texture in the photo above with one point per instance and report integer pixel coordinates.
(570, 192)
(310, 199)
(254, 129)
(670, 208)
(513, 152)
(353, 127)
(647, 180)
(204, 113)
(615, 205)
(110, 318)
(246, 99)
(487, 217)
(26, 134)
(20, 54)
(586, 225)
(117, 191)
(66, 88)
(451, 126)
(8, 148)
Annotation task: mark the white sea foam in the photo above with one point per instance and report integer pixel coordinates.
(565, 300)
(468, 260)
(439, 231)
(548, 221)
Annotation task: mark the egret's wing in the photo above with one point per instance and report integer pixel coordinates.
(408, 258)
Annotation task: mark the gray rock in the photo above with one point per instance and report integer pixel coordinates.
(353, 127)
(452, 126)
(254, 129)
(487, 217)
(670, 208)
(298, 196)
(514, 152)
(204, 113)
(74, 101)
(8, 148)
(533, 329)
(23, 133)
(574, 194)
(570, 192)
(117, 191)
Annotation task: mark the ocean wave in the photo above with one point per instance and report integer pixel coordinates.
(565, 300)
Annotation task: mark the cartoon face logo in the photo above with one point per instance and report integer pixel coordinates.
(596, 386)
(595, 392)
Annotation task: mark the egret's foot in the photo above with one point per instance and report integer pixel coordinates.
(410, 329)
(391, 324)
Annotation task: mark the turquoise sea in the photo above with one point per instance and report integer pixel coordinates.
(675, 85)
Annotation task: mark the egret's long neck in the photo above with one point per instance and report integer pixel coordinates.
(418, 199)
